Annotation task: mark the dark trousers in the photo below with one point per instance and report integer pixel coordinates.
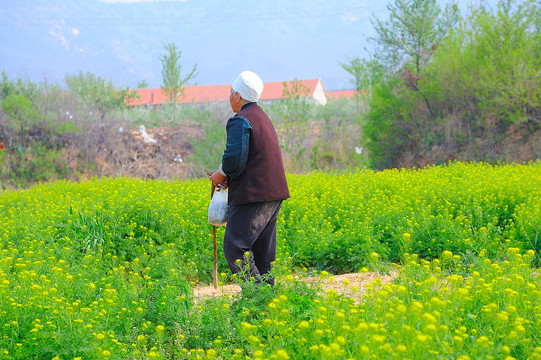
(250, 238)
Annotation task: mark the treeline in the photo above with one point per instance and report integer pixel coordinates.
(86, 130)
(49, 132)
(443, 87)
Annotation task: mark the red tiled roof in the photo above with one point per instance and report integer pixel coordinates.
(341, 93)
(275, 90)
(215, 93)
(192, 94)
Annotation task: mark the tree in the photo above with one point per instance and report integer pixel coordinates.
(365, 73)
(98, 93)
(502, 51)
(404, 44)
(7, 86)
(412, 33)
(356, 67)
(143, 84)
(27, 88)
(21, 116)
(173, 83)
(297, 90)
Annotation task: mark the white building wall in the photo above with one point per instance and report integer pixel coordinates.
(319, 94)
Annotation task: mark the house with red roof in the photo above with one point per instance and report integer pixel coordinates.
(312, 90)
(337, 94)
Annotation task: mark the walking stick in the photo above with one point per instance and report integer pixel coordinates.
(215, 271)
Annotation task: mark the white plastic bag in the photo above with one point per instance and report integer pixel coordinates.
(218, 208)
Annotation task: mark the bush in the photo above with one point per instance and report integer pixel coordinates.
(478, 89)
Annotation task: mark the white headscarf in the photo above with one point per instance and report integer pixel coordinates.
(249, 85)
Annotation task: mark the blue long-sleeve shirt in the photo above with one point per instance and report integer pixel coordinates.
(237, 147)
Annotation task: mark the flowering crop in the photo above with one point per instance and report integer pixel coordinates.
(105, 269)
(334, 221)
(428, 313)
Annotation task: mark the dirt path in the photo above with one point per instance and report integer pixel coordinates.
(336, 282)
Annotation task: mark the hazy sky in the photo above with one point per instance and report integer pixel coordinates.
(123, 40)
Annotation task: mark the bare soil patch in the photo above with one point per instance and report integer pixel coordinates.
(336, 283)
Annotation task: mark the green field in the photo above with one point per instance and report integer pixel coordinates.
(105, 269)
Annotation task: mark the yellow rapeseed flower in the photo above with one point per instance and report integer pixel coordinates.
(211, 354)
(304, 325)
(401, 348)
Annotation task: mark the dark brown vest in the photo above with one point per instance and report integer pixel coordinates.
(264, 178)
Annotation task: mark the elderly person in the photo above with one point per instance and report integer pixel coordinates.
(252, 168)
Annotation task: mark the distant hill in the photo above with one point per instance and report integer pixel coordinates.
(281, 40)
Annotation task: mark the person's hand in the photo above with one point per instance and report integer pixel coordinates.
(218, 180)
